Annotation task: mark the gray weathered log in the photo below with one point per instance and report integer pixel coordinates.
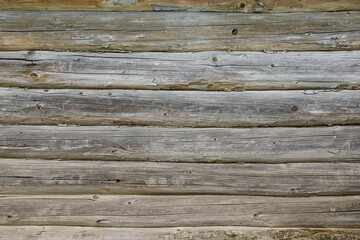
(184, 5)
(179, 233)
(178, 31)
(31, 176)
(191, 71)
(177, 211)
(179, 108)
(268, 145)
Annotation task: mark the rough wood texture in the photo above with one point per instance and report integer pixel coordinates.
(179, 108)
(31, 176)
(177, 211)
(183, 5)
(178, 31)
(191, 71)
(180, 233)
(182, 144)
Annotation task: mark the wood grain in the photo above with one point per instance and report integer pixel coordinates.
(179, 108)
(225, 71)
(32, 176)
(183, 5)
(177, 211)
(178, 31)
(179, 233)
(266, 145)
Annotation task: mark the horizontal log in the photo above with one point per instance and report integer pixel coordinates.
(176, 211)
(32, 176)
(178, 31)
(178, 108)
(183, 5)
(190, 71)
(180, 233)
(181, 144)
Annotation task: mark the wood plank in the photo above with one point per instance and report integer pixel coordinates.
(183, 5)
(190, 71)
(180, 233)
(175, 211)
(178, 108)
(32, 176)
(267, 145)
(178, 31)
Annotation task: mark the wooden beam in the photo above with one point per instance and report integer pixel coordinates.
(179, 233)
(267, 145)
(178, 108)
(178, 31)
(226, 71)
(177, 211)
(32, 176)
(183, 5)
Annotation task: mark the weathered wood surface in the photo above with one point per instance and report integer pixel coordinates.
(32, 176)
(183, 5)
(178, 108)
(191, 71)
(182, 144)
(178, 31)
(177, 211)
(180, 233)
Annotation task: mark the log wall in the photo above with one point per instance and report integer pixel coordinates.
(180, 119)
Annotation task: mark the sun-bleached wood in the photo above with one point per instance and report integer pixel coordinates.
(32, 176)
(177, 211)
(183, 5)
(179, 233)
(178, 108)
(183, 71)
(268, 145)
(178, 31)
